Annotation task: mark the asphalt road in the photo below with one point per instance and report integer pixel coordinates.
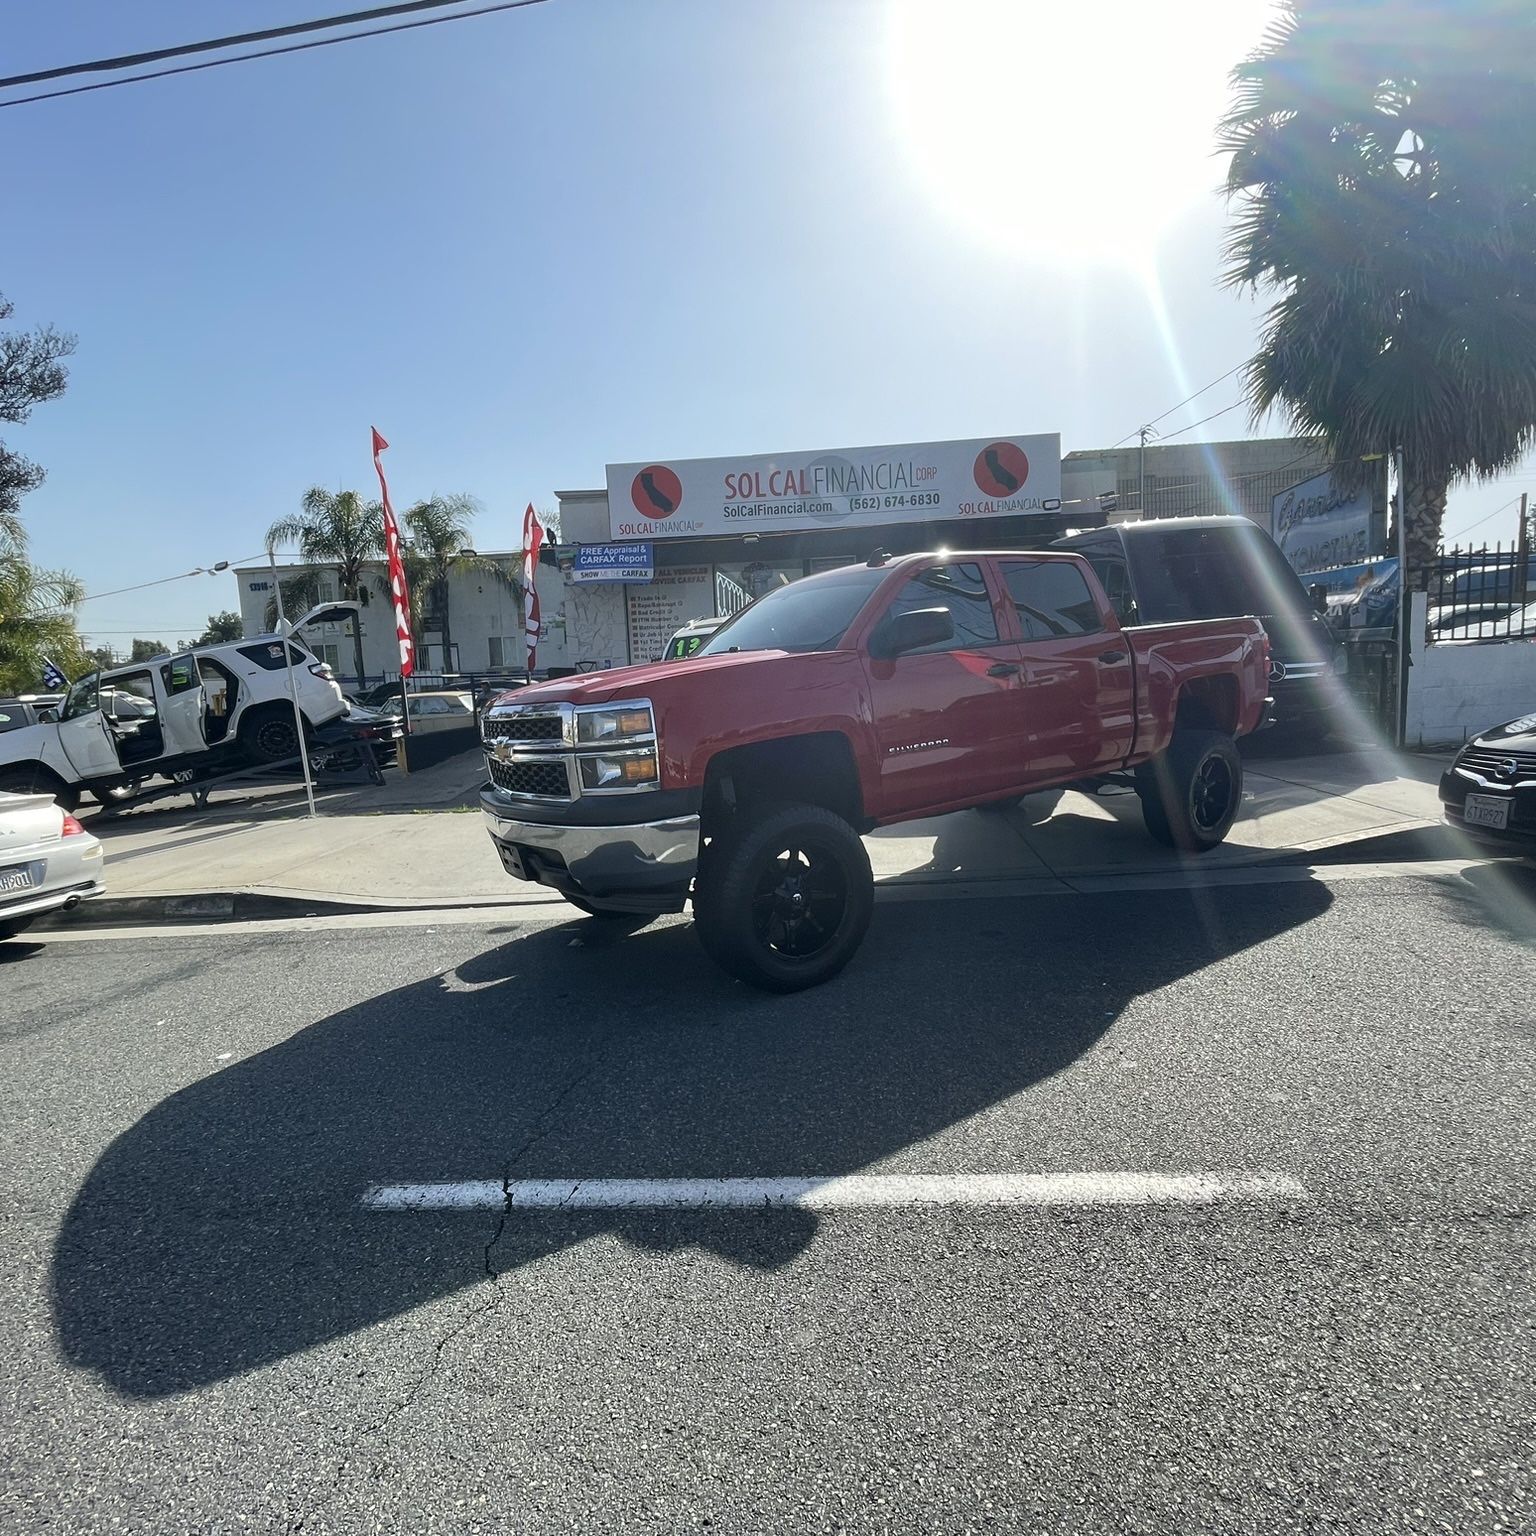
(205, 1330)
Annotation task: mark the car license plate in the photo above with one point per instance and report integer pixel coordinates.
(19, 879)
(512, 861)
(1487, 811)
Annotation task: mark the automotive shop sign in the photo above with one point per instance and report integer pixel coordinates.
(1317, 525)
(835, 488)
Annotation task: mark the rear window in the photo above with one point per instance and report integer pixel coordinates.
(269, 655)
(1211, 573)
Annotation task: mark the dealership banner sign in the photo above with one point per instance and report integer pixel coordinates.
(613, 562)
(1316, 525)
(835, 488)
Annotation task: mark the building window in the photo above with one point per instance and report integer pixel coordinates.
(503, 652)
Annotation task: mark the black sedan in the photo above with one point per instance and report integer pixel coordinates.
(1490, 790)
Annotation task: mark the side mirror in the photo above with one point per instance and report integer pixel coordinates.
(1319, 596)
(912, 631)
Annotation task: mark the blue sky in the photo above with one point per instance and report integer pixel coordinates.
(529, 244)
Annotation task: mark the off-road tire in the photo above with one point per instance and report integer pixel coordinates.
(1191, 794)
(267, 735)
(784, 897)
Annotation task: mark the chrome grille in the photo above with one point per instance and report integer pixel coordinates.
(532, 778)
(523, 728)
(1493, 763)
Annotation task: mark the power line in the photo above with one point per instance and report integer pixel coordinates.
(1479, 523)
(132, 60)
(1182, 403)
(260, 53)
(1212, 417)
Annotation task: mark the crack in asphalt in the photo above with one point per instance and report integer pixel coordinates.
(541, 1129)
(490, 1302)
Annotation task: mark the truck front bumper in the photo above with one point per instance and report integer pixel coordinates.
(640, 866)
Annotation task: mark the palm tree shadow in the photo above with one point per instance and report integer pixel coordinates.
(223, 1231)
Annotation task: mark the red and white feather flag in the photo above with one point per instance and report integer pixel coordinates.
(533, 540)
(398, 592)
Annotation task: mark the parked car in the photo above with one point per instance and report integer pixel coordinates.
(443, 710)
(1171, 570)
(377, 696)
(691, 637)
(28, 709)
(1502, 622)
(1462, 621)
(1472, 585)
(741, 777)
(48, 861)
(202, 707)
(1489, 791)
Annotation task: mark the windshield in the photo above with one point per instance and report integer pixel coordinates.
(810, 615)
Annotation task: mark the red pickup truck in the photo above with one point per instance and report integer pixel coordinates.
(742, 776)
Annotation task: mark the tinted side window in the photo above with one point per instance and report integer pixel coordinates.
(1115, 577)
(962, 589)
(269, 654)
(12, 717)
(179, 675)
(1051, 599)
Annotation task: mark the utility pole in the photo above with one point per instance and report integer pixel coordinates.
(1141, 494)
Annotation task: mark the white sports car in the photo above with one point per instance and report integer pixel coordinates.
(47, 861)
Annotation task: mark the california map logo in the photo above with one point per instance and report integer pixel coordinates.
(1001, 470)
(656, 492)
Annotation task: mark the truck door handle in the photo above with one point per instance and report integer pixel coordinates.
(1110, 657)
(1003, 669)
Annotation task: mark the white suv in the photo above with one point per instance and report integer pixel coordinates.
(210, 705)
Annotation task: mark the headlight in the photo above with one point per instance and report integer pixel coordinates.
(628, 770)
(622, 722)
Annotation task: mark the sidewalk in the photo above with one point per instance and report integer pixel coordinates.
(366, 850)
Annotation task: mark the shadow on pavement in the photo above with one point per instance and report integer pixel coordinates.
(222, 1232)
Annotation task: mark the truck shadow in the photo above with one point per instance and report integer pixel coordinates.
(223, 1231)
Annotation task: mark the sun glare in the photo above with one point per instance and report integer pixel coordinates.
(1071, 133)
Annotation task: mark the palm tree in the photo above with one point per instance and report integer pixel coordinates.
(340, 530)
(1384, 179)
(37, 619)
(439, 532)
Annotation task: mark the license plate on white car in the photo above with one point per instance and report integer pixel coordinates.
(1487, 811)
(16, 879)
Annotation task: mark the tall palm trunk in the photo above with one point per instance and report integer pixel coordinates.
(1426, 516)
(443, 624)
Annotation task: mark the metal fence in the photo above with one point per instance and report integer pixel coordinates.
(1485, 592)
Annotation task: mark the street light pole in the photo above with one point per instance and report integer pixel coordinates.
(1141, 488)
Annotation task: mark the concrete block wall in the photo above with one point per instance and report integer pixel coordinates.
(1455, 691)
